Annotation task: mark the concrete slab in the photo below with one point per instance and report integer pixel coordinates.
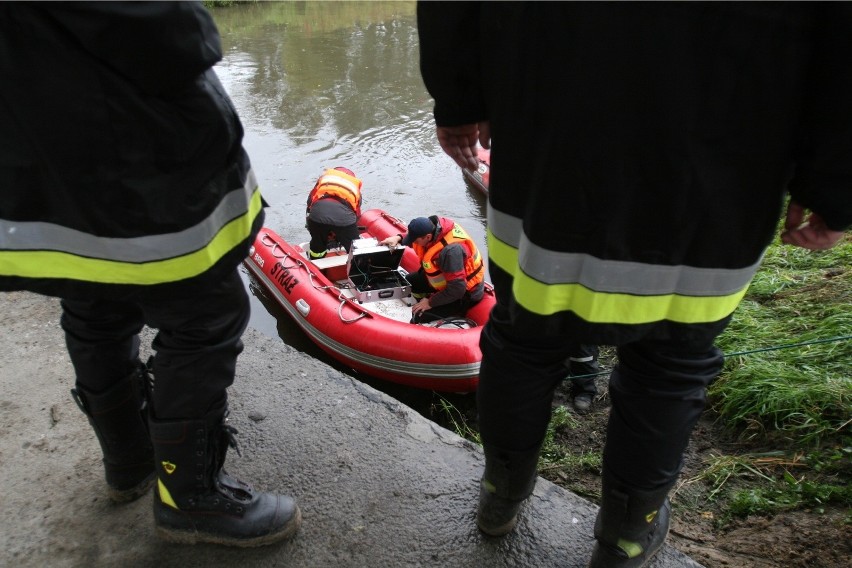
(378, 484)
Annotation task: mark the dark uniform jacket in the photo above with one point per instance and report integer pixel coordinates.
(642, 151)
(121, 164)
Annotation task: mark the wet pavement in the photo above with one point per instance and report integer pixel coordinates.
(378, 484)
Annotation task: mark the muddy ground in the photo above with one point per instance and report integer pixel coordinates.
(791, 540)
(795, 539)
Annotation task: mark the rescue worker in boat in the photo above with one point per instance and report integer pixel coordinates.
(451, 278)
(334, 205)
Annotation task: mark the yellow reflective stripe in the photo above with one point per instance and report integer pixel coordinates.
(503, 255)
(604, 307)
(630, 548)
(52, 264)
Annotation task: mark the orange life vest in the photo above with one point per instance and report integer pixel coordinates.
(473, 266)
(337, 185)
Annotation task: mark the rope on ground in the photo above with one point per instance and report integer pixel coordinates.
(738, 353)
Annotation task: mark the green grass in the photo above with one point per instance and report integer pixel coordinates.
(455, 420)
(556, 456)
(800, 394)
(772, 482)
(221, 3)
(786, 388)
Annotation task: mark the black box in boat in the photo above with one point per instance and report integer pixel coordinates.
(374, 272)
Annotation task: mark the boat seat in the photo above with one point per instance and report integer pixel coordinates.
(331, 261)
(334, 267)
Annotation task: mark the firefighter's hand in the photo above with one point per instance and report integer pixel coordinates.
(420, 307)
(459, 142)
(392, 241)
(808, 231)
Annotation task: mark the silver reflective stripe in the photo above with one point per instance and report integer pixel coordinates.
(343, 183)
(505, 227)
(18, 236)
(615, 276)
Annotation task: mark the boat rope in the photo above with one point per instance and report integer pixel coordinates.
(311, 278)
(273, 244)
(457, 322)
(343, 301)
(297, 262)
(740, 353)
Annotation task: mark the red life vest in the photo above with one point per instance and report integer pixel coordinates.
(473, 265)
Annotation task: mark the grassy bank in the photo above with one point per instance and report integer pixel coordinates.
(785, 395)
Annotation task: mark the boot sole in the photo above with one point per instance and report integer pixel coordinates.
(492, 529)
(501, 530)
(134, 493)
(193, 537)
(604, 558)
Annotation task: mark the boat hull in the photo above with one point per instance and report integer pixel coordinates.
(480, 178)
(441, 359)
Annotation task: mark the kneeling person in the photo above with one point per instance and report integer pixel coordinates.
(451, 275)
(334, 205)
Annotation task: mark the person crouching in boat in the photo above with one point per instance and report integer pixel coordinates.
(334, 205)
(451, 276)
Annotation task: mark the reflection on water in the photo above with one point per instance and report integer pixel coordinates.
(321, 84)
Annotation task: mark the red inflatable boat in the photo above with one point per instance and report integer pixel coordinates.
(481, 177)
(357, 308)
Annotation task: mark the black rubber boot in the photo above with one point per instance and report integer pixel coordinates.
(117, 417)
(631, 526)
(197, 501)
(509, 478)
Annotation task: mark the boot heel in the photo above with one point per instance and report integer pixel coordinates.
(631, 526)
(496, 516)
(508, 479)
(116, 416)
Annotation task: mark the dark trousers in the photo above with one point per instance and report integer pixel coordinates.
(420, 285)
(197, 343)
(583, 368)
(657, 390)
(322, 234)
